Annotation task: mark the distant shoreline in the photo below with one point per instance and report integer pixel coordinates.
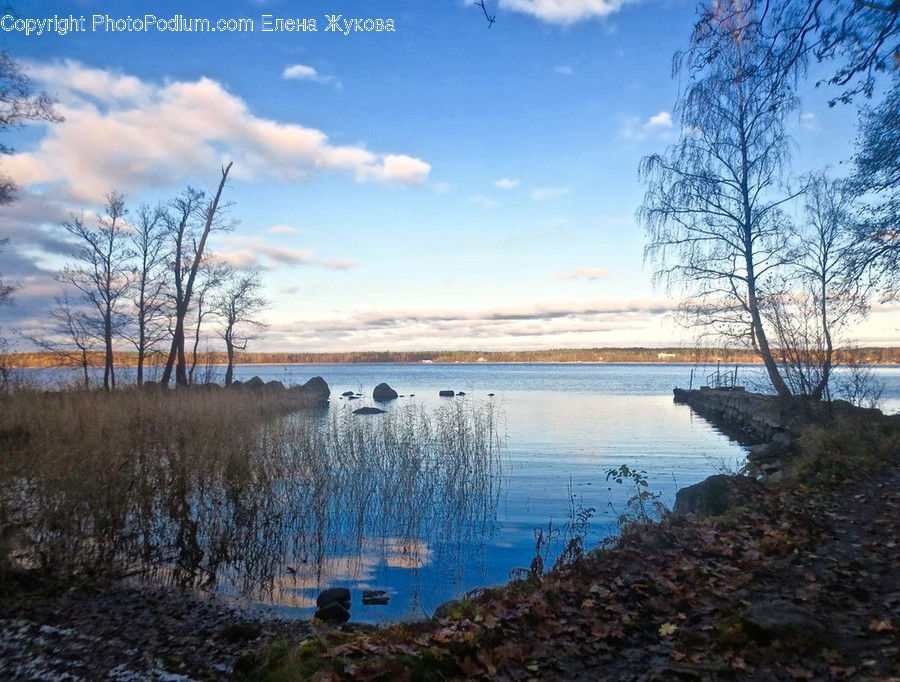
(872, 356)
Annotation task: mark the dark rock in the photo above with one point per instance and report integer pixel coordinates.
(237, 383)
(368, 410)
(714, 496)
(490, 395)
(334, 594)
(447, 394)
(255, 382)
(334, 613)
(333, 605)
(347, 394)
(316, 391)
(353, 397)
(275, 385)
(375, 598)
(383, 393)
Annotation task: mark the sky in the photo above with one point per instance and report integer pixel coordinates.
(441, 183)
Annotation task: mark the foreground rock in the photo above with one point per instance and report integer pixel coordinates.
(714, 495)
(333, 606)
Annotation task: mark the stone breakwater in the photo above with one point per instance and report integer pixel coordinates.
(770, 423)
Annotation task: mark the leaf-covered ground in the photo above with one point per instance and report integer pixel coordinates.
(798, 584)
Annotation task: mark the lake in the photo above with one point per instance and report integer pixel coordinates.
(562, 428)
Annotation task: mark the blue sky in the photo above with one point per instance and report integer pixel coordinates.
(442, 185)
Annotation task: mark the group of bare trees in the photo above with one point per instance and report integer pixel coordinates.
(721, 207)
(149, 282)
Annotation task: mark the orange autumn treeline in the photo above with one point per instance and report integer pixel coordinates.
(873, 356)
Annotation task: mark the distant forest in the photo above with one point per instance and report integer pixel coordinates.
(874, 356)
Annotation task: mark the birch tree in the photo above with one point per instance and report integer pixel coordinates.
(102, 273)
(712, 212)
(239, 305)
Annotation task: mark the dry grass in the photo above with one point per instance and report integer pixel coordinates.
(189, 485)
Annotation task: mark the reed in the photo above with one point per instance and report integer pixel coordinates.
(202, 486)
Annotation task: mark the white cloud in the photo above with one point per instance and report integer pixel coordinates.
(506, 183)
(307, 73)
(547, 193)
(245, 252)
(123, 133)
(398, 168)
(564, 12)
(584, 273)
(808, 121)
(564, 70)
(659, 125)
(661, 120)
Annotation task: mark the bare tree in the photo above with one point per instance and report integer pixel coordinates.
(876, 178)
(712, 210)
(19, 103)
(72, 336)
(210, 277)
(188, 206)
(102, 273)
(148, 326)
(239, 303)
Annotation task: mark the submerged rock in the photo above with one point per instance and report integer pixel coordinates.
(447, 394)
(375, 598)
(368, 410)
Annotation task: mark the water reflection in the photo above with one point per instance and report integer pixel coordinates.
(338, 499)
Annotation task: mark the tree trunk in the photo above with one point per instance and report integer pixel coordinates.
(229, 347)
(177, 350)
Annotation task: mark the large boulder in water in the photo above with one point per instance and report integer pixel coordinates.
(314, 392)
(383, 393)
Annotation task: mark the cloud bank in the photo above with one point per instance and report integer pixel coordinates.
(124, 133)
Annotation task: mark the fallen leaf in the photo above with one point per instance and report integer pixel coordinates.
(880, 625)
(667, 629)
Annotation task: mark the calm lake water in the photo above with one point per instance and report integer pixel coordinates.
(564, 426)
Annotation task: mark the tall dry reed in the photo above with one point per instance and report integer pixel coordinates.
(200, 484)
